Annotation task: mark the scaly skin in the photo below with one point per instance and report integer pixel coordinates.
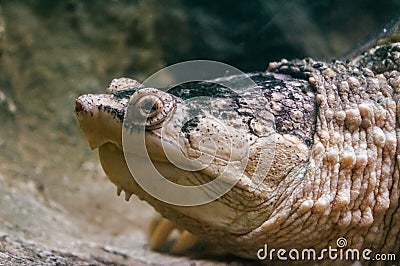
(335, 172)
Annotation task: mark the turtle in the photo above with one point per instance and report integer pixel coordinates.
(312, 148)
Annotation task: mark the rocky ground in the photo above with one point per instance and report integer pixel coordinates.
(56, 205)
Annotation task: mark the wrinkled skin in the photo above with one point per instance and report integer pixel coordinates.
(331, 171)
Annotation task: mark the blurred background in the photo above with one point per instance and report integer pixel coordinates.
(56, 205)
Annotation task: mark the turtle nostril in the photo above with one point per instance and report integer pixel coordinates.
(78, 106)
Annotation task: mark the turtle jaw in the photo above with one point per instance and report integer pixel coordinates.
(98, 121)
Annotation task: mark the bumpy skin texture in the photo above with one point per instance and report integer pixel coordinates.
(351, 187)
(336, 168)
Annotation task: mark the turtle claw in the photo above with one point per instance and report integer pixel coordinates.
(161, 235)
(185, 241)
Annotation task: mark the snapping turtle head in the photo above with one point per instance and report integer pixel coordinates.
(211, 163)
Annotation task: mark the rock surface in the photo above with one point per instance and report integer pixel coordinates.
(56, 206)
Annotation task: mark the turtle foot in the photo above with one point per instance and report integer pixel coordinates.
(166, 236)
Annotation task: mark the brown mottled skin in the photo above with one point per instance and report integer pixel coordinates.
(335, 172)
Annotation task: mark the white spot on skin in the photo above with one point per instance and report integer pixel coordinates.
(329, 114)
(322, 204)
(361, 159)
(382, 202)
(337, 138)
(366, 112)
(391, 142)
(342, 199)
(353, 118)
(367, 218)
(320, 99)
(348, 157)
(308, 107)
(340, 116)
(312, 81)
(379, 137)
(345, 220)
(306, 206)
(296, 115)
(344, 86)
(354, 83)
(329, 73)
(273, 65)
(324, 134)
(277, 97)
(318, 149)
(276, 107)
(333, 155)
(374, 83)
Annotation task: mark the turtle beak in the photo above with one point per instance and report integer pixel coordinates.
(97, 122)
(79, 106)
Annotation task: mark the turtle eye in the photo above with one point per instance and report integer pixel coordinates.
(149, 107)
